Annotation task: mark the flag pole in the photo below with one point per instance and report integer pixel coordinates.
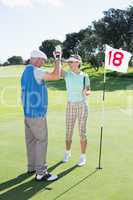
(103, 120)
(110, 63)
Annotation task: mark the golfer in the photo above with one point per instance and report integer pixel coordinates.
(78, 87)
(35, 103)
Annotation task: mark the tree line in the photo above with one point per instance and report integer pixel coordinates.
(115, 28)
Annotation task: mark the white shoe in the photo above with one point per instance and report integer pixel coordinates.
(82, 161)
(67, 157)
(46, 177)
(52, 177)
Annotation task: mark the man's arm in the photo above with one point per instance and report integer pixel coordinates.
(56, 74)
(62, 73)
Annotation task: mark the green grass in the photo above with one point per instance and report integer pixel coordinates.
(114, 182)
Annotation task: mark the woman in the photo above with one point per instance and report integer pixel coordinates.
(78, 87)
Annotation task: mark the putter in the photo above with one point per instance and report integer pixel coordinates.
(76, 48)
(58, 51)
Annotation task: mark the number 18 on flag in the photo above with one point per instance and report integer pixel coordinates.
(116, 59)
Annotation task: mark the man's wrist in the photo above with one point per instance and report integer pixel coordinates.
(57, 63)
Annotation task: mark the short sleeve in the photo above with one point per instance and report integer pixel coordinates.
(65, 74)
(39, 74)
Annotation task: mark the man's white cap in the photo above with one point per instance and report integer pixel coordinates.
(75, 58)
(38, 54)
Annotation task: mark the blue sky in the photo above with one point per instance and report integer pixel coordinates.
(24, 24)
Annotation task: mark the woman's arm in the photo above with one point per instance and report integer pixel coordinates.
(87, 89)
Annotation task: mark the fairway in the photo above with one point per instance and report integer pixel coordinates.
(113, 182)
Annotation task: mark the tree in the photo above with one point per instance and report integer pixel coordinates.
(5, 64)
(130, 24)
(71, 40)
(113, 28)
(15, 60)
(88, 44)
(48, 46)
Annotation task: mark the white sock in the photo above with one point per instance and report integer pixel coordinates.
(83, 155)
(68, 152)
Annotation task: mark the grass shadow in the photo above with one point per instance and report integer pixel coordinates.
(56, 85)
(76, 184)
(23, 177)
(113, 82)
(28, 189)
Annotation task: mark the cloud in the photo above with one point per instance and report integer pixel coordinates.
(56, 3)
(17, 3)
(30, 3)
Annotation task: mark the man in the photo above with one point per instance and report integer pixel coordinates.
(35, 103)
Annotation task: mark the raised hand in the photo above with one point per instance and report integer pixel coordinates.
(57, 53)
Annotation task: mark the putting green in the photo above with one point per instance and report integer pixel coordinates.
(113, 182)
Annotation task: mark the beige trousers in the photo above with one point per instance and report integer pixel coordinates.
(36, 137)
